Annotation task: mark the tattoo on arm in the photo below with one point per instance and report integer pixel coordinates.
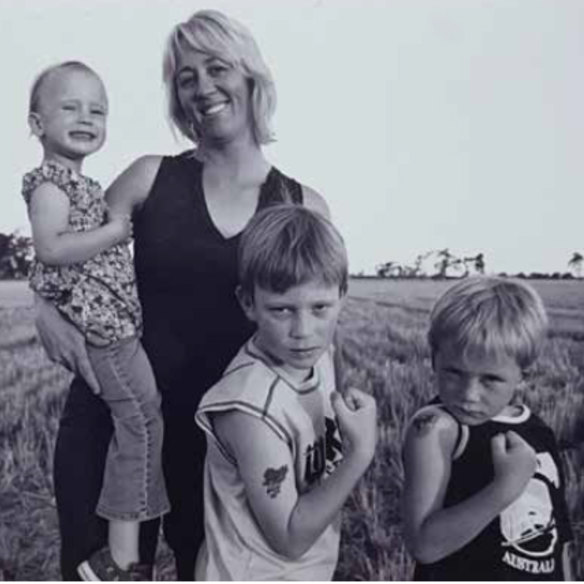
(273, 479)
(423, 423)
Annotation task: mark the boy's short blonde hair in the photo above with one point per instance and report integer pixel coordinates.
(490, 315)
(213, 33)
(287, 245)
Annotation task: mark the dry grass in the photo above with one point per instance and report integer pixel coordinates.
(386, 354)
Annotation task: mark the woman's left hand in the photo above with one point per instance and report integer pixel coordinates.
(63, 342)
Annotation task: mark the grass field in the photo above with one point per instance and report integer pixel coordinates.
(384, 327)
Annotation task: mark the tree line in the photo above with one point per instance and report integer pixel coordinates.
(16, 253)
(442, 264)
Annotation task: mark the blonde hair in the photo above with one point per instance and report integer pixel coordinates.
(43, 76)
(490, 315)
(211, 32)
(287, 245)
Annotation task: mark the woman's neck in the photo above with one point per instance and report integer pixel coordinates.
(233, 159)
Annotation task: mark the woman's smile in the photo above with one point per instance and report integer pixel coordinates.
(212, 109)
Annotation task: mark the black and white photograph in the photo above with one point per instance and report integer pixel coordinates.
(292, 290)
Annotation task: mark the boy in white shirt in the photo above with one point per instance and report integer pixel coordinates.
(278, 471)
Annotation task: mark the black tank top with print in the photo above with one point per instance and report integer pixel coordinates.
(187, 275)
(524, 542)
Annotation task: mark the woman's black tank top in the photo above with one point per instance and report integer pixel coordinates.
(187, 275)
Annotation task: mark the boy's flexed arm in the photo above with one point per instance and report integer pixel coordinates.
(433, 532)
(291, 522)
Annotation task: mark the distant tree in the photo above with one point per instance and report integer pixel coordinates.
(465, 263)
(15, 256)
(386, 269)
(381, 270)
(479, 263)
(406, 271)
(446, 259)
(397, 270)
(575, 263)
(459, 266)
(419, 264)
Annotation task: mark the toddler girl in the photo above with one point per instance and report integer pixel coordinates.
(83, 266)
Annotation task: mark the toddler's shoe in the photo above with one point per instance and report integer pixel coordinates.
(100, 567)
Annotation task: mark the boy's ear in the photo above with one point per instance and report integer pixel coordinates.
(246, 302)
(35, 124)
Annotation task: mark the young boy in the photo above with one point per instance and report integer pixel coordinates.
(277, 471)
(484, 491)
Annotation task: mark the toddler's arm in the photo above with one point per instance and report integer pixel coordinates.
(292, 522)
(54, 243)
(432, 531)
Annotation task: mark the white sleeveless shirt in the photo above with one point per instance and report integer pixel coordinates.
(301, 415)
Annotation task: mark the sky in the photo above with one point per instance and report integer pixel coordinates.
(425, 124)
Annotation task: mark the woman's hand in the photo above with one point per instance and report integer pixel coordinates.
(122, 223)
(63, 342)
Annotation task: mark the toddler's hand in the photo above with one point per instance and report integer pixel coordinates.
(356, 413)
(514, 461)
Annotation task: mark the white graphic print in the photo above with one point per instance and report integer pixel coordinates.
(528, 524)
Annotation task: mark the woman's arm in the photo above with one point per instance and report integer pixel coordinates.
(291, 522)
(54, 242)
(130, 190)
(432, 531)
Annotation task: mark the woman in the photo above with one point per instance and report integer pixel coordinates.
(188, 212)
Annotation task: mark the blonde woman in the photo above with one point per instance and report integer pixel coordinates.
(188, 212)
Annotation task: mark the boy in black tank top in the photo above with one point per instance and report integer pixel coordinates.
(484, 490)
